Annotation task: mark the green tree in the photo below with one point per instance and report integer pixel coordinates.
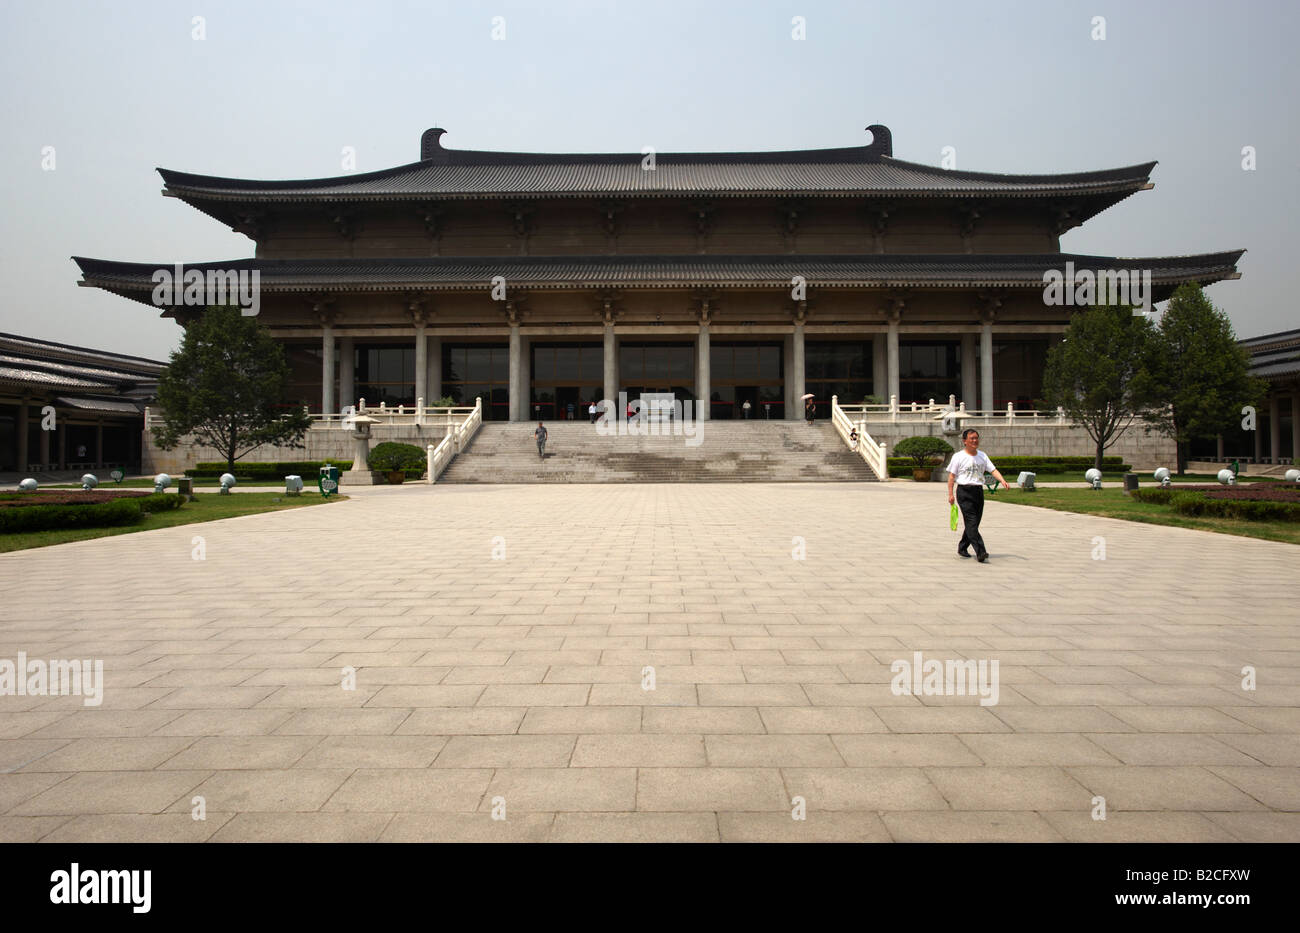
(1199, 375)
(223, 387)
(1097, 373)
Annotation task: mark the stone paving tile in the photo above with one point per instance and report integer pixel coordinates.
(32, 828)
(877, 751)
(564, 789)
(642, 750)
(138, 827)
(863, 788)
(397, 790)
(692, 789)
(634, 827)
(241, 753)
(1259, 827)
(699, 720)
(469, 827)
(969, 826)
(1139, 826)
(1039, 749)
(1157, 787)
(772, 751)
(99, 754)
(109, 792)
(522, 678)
(816, 826)
(303, 827)
(1027, 787)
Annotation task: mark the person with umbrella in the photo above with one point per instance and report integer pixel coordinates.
(809, 407)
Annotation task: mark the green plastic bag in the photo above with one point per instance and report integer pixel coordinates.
(952, 517)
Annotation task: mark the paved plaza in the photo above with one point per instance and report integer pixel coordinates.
(503, 637)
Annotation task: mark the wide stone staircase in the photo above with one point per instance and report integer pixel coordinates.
(721, 452)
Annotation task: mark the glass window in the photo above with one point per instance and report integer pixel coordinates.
(478, 364)
(566, 364)
(769, 362)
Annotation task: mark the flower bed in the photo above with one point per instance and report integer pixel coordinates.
(67, 497)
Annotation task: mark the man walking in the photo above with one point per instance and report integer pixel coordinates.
(967, 469)
(540, 434)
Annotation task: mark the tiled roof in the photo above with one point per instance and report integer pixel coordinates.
(101, 404)
(39, 377)
(564, 272)
(847, 172)
(46, 350)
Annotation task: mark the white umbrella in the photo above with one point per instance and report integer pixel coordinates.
(808, 396)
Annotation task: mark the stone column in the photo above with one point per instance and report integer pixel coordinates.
(63, 447)
(1295, 430)
(986, 365)
(23, 415)
(792, 409)
(610, 359)
(891, 354)
(327, 369)
(797, 360)
(433, 371)
(968, 371)
(347, 372)
(99, 443)
(879, 368)
(1274, 428)
(518, 403)
(1218, 447)
(45, 447)
(421, 364)
(703, 386)
(1259, 443)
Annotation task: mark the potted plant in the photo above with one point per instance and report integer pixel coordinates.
(396, 459)
(925, 452)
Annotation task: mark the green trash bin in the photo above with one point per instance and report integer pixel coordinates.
(329, 480)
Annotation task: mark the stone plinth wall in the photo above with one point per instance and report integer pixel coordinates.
(321, 443)
(1007, 439)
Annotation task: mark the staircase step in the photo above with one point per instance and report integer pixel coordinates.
(721, 452)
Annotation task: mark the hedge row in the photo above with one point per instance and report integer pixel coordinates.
(265, 470)
(159, 502)
(1197, 504)
(46, 517)
(1009, 466)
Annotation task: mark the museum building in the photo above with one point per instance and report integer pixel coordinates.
(541, 282)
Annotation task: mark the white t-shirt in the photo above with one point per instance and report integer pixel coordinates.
(970, 470)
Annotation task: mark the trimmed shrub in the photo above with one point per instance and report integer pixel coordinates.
(275, 470)
(1041, 464)
(124, 511)
(391, 456)
(922, 450)
(1153, 496)
(1197, 504)
(159, 502)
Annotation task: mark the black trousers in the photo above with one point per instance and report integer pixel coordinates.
(970, 499)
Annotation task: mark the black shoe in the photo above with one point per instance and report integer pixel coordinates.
(962, 552)
(982, 557)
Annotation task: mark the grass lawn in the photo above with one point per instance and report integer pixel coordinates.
(204, 508)
(212, 481)
(1113, 503)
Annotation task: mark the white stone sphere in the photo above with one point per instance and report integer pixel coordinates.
(28, 485)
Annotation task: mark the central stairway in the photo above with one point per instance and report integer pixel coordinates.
(724, 452)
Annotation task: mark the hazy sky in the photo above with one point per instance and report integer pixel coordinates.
(277, 89)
